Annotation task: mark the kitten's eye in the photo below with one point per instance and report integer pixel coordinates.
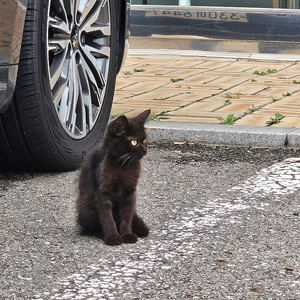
(133, 143)
(144, 141)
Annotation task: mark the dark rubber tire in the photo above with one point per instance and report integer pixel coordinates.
(31, 135)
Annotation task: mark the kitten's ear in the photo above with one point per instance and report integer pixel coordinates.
(142, 117)
(119, 125)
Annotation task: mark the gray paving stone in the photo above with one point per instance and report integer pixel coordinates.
(293, 138)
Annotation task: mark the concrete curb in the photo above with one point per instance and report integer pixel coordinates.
(210, 55)
(215, 134)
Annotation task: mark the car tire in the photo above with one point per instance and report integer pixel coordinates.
(65, 85)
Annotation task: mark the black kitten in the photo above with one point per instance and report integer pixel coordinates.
(108, 181)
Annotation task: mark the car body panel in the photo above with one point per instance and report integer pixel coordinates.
(12, 17)
(228, 29)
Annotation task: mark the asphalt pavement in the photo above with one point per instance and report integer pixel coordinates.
(224, 224)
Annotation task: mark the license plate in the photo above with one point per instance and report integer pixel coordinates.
(199, 15)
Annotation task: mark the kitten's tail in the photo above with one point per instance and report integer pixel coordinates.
(139, 227)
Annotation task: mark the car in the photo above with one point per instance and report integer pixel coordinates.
(58, 65)
(209, 28)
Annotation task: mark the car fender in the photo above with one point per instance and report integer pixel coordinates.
(10, 46)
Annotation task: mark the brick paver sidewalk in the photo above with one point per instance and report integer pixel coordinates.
(203, 90)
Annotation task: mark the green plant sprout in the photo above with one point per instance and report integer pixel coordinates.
(275, 99)
(229, 120)
(227, 102)
(295, 82)
(252, 109)
(115, 116)
(269, 71)
(259, 73)
(275, 120)
(139, 70)
(287, 94)
(176, 79)
(127, 73)
(233, 95)
(155, 117)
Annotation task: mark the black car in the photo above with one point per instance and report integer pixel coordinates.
(58, 65)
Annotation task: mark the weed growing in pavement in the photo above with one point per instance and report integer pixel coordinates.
(153, 118)
(259, 73)
(275, 120)
(229, 120)
(162, 98)
(135, 70)
(176, 79)
(295, 82)
(114, 116)
(227, 102)
(275, 99)
(287, 94)
(254, 80)
(233, 95)
(156, 117)
(252, 109)
(228, 95)
(269, 71)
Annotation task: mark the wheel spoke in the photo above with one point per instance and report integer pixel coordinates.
(84, 8)
(58, 96)
(98, 21)
(72, 97)
(58, 44)
(59, 67)
(76, 122)
(91, 94)
(81, 121)
(95, 64)
(59, 26)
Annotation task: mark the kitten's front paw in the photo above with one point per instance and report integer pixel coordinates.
(113, 240)
(130, 238)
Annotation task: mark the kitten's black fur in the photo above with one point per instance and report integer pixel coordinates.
(108, 181)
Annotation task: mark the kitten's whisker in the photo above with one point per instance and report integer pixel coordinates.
(131, 159)
(122, 157)
(128, 157)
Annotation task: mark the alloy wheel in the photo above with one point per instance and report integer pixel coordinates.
(78, 52)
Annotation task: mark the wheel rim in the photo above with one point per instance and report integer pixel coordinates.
(78, 52)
